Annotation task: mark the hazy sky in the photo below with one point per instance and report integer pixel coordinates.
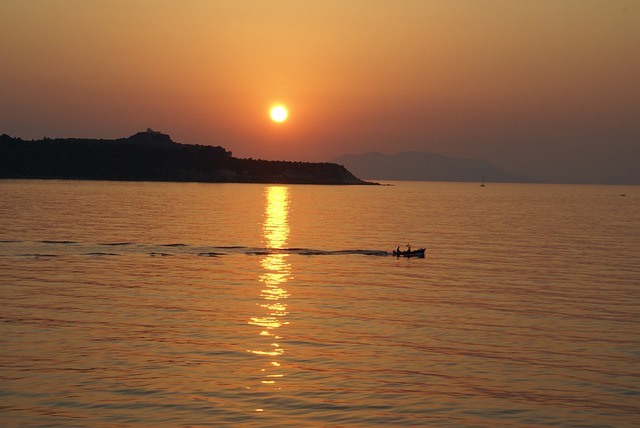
(546, 87)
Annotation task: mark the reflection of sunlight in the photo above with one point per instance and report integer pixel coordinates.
(275, 233)
(276, 225)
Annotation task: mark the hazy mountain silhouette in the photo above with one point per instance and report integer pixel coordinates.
(153, 156)
(423, 166)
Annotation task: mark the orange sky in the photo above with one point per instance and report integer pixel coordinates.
(529, 85)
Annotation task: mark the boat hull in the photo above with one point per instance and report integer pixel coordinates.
(413, 253)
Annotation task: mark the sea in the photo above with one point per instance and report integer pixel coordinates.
(139, 304)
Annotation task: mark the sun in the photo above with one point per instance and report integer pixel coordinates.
(279, 114)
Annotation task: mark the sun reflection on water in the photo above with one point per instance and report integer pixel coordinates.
(275, 233)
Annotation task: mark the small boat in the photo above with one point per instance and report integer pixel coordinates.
(410, 253)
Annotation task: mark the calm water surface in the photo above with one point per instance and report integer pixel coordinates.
(165, 304)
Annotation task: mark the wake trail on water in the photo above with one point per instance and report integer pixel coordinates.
(56, 248)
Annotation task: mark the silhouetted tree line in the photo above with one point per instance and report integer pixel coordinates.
(152, 156)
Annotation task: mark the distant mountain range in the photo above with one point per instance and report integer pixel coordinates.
(423, 166)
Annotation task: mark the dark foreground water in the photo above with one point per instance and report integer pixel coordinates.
(160, 304)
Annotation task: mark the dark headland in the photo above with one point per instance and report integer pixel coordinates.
(153, 156)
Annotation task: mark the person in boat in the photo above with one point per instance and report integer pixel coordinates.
(398, 250)
(408, 248)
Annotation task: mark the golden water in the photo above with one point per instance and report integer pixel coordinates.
(166, 304)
